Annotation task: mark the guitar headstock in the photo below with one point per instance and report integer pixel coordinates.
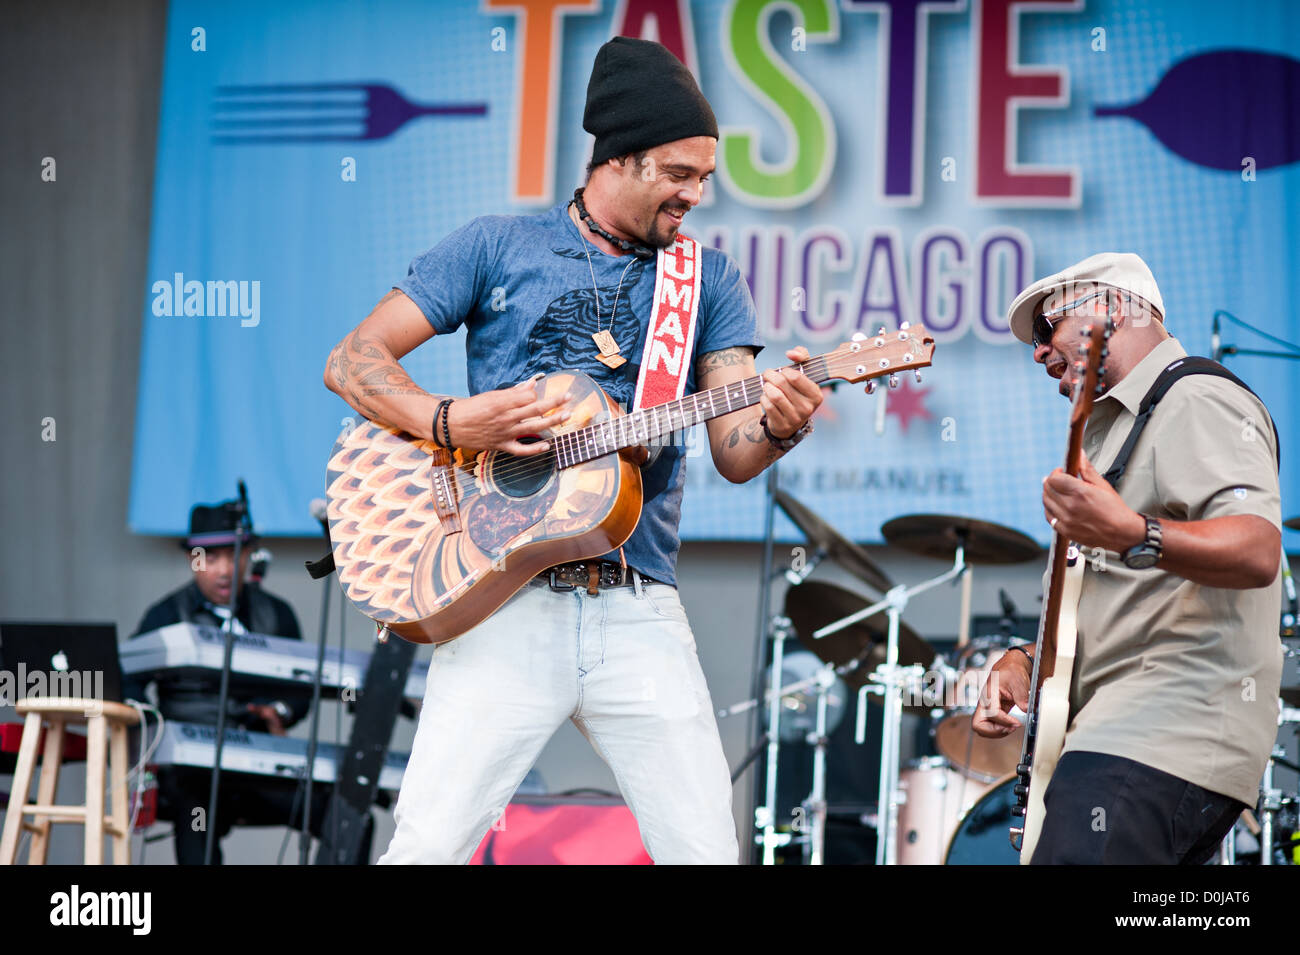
(1091, 368)
(865, 357)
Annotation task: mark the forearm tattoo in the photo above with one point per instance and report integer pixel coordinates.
(362, 368)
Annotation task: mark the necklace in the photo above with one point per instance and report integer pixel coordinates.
(610, 354)
(640, 251)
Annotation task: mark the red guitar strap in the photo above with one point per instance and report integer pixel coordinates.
(670, 338)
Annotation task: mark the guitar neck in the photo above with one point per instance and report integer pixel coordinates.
(646, 424)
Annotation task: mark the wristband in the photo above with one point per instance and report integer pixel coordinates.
(437, 415)
(446, 426)
(785, 444)
(1028, 655)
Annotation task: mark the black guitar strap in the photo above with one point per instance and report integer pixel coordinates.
(1189, 365)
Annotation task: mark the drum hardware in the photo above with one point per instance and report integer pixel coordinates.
(823, 680)
(982, 542)
(828, 542)
(890, 675)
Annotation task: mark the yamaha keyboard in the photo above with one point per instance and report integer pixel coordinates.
(192, 744)
(189, 650)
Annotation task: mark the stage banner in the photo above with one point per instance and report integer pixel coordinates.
(880, 162)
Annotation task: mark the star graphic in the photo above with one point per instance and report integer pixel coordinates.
(908, 403)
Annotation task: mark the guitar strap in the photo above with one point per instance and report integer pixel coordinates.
(1181, 368)
(670, 336)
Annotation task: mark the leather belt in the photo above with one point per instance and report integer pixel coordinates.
(590, 574)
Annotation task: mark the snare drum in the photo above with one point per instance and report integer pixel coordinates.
(932, 799)
(977, 756)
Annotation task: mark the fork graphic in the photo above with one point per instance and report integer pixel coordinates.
(319, 112)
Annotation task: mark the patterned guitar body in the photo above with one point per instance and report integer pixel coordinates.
(430, 543)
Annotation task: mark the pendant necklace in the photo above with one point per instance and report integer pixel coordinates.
(609, 351)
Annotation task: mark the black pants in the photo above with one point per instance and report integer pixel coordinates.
(243, 800)
(1107, 810)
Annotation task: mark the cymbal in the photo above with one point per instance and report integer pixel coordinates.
(1293, 523)
(812, 605)
(938, 535)
(838, 548)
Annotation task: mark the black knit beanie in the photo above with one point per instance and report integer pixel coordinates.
(641, 96)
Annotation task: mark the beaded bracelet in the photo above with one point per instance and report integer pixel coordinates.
(446, 427)
(438, 414)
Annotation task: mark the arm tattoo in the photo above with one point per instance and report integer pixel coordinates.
(362, 368)
(722, 358)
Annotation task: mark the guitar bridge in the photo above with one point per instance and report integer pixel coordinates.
(445, 502)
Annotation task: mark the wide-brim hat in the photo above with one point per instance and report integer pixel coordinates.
(1122, 270)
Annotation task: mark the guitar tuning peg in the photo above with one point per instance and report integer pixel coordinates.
(1085, 332)
(858, 337)
(904, 325)
(893, 380)
(1083, 349)
(871, 387)
(917, 373)
(882, 330)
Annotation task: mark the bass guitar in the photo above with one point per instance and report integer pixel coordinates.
(428, 543)
(1049, 707)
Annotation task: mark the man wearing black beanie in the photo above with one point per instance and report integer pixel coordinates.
(605, 644)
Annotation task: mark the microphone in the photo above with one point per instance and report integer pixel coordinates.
(320, 511)
(257, 564)
(796, 577)
(1008, 622)
(1216, 352)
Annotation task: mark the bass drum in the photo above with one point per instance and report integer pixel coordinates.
(983, 836)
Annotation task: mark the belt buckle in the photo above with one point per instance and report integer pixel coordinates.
(556, 585)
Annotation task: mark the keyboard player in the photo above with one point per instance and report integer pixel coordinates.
(244, 799)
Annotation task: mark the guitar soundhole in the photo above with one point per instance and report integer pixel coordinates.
(521, 477)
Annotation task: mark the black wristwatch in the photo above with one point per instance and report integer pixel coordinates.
(1146, 554)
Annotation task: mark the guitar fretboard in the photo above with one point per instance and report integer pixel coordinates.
(643, 426)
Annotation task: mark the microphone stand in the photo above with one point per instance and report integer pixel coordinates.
(243, 525)
(768, 811)
(313, 735)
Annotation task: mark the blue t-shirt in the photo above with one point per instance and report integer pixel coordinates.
(523, 288)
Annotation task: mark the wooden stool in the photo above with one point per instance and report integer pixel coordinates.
(106, 725)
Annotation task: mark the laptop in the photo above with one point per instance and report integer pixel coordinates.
(59, 659)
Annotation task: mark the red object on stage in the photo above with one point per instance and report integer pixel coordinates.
(11, 735)
(563, 830)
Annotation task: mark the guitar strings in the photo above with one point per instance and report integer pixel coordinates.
(569, 444)
(568, 441)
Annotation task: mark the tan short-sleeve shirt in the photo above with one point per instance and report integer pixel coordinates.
(1171, 673)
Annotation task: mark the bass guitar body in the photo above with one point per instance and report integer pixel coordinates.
(1047, 733)
(430, 543)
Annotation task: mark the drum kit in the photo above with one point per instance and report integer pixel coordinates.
(953, 806)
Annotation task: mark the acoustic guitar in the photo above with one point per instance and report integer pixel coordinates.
(1049, 708)
(428, 543)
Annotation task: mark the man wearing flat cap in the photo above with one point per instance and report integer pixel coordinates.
(573, 288)
(209, 550)
(1173, 703)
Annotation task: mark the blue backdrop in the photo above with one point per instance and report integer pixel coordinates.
(877, 166)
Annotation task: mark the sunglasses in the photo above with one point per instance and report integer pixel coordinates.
(1044, 327)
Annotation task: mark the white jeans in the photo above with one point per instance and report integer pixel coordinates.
(622, 666)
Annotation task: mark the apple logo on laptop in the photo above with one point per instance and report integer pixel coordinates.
(59, 661)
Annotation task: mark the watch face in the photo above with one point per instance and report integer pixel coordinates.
(1140, 560)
